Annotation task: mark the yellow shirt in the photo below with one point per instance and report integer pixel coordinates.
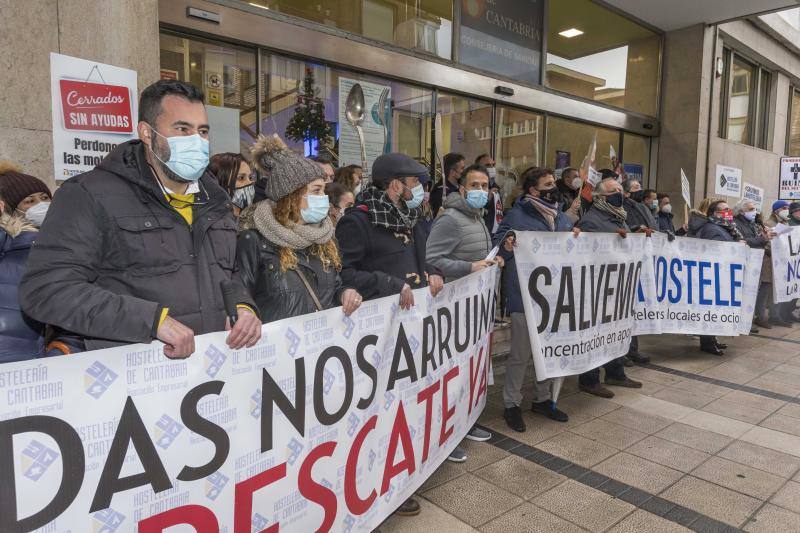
(186, 210)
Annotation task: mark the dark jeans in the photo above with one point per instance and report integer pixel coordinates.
(761, 302)
(708, 341)
(615, 369)
(634, 348)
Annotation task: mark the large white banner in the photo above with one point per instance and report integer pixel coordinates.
(94, 109)
(579, 295)
(328, 423)
(586, 296)
(700, 287)
(785, 249)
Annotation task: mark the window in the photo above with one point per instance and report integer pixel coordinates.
(404, 126)
(636, 157)
(568, 141)
(461, 116)
(523, 149)
(744, 97)
(597, 54)
(420, 25)
(227, 76)
(793, 135)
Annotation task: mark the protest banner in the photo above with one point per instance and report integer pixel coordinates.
(785, 249)
(586, 296)
(94, 108)
(329, 422)
(754, 193)
(699, 287)
(789, 179)
(579, 295)
(686, 190)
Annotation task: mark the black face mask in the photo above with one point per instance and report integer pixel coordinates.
(615, 199)
(552, 196)
(637, 196)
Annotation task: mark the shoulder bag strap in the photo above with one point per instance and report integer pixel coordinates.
(311, 292)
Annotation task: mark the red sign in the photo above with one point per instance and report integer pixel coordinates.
(89, 106)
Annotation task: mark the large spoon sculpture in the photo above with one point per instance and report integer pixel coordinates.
(354, 113)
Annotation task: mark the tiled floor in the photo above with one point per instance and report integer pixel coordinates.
(708, 444)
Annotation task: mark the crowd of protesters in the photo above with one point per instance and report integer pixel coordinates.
(139, 248)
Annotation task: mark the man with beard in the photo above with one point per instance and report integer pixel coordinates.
(137, 248)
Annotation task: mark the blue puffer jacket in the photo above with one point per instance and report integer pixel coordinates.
(522, 217)
(21, 337)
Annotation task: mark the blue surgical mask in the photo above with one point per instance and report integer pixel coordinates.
(417, 195)
(318, 207)
(188, 155)
(477, 198)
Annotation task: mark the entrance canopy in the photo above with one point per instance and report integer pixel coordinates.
(675, 14)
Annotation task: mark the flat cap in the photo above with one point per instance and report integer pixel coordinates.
(392, 166)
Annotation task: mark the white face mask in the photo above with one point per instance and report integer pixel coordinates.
(577, 182)
(492, 172)
(667, 209)
(357, 189)
(37, 213)
(783, 214)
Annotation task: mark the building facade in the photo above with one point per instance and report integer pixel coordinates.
(531, 82)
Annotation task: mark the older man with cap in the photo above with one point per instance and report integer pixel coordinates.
(383, 247)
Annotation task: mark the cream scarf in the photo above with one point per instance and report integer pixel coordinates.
(295, 236)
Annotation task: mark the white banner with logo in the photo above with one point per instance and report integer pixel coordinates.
(785, 249)
(328, 423)
(94, 109)
(586, 296)
(579, 295)
(699, 287)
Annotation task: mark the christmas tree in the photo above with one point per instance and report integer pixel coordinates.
(308, 122)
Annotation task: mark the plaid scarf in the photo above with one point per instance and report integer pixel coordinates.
(617, 212)
(548, 211)
(383, 212)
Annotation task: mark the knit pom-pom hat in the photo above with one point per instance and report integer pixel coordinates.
(284, 170)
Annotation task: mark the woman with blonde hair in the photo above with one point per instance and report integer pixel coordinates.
(287, 255)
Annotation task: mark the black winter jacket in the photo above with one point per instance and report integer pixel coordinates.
(280, 295)
(522, 217)
(665, 222)
(710, 231)
(751, 231)
(377, 262)
(568, 194)
(639, 216)
(596, 221)
(112, 253)
(21, 337)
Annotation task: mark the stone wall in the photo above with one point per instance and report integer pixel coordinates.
(119, 32)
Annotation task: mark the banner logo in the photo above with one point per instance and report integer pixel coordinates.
(214, 485)
(107, 521)
(36, 459)
(97, 379)
(214, 359)
(166, 431)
